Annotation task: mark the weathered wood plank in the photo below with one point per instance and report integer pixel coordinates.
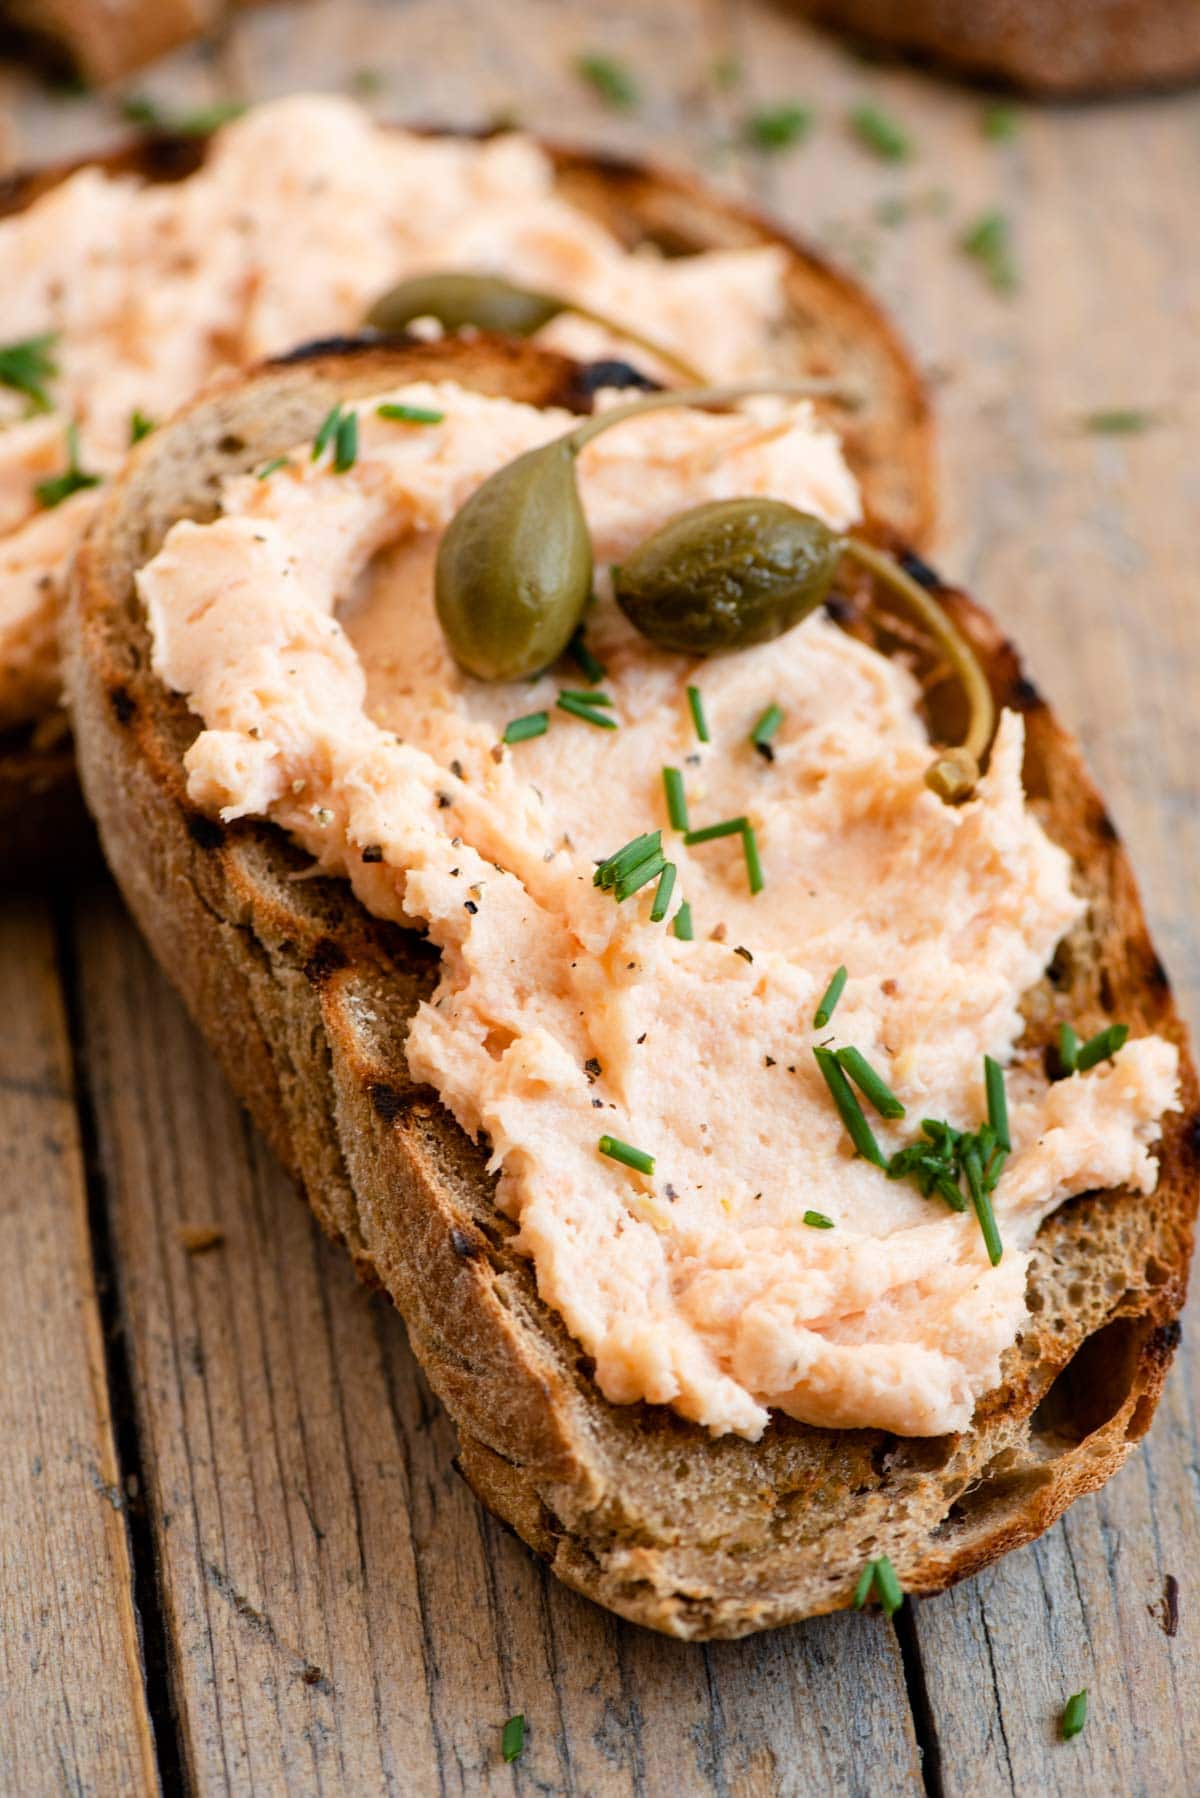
(72, 1712)
(1100, 588)
(345, 1617)
(1056, 530)
(1082, 546)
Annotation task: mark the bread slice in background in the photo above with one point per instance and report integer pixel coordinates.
(833, 328)
(105, 39)
(1052, 47)
(305, 998)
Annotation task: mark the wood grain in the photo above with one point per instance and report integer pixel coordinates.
(72, 1712)
(343, 1616)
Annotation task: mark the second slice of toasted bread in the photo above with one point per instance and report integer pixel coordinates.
(831, 328)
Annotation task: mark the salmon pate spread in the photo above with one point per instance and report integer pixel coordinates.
(303, 213)
(300, 626)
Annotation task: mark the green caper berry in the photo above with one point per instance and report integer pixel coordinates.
(514, 568)
(457, 300)
(728, 574)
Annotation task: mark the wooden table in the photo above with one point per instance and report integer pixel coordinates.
(234, 1554)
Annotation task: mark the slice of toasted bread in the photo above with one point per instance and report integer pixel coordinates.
(1052, 47)
(305, 998)
(105, 39)
(833, 327)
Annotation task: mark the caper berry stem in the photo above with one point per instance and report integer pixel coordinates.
(954, 774)
(814, 388)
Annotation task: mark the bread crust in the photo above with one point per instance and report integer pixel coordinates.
(1052, 47)
(105, 40)
(890, 441)
(305, 998)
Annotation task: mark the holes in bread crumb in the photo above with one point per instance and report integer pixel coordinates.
(1089, 1391)
(1001, 1489)
(1155, 1274)
(922, 1454)
(1140, 1417)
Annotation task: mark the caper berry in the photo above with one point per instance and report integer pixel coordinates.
(455, 300)
(514, 571)
(728, 574)
(458, 299)
(514, 568)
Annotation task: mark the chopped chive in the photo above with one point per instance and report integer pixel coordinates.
(989, 242)
(616, 1150)
(1068, 1049)
(683, 923)
(766, 727)
(269, 468)
(869, 1083)
(696, 701)
(887, 1586)
(778, 127)
(850, 1110)
(862, 1590)
(817, 1220)
(948, 1189)
(677, 810)
(1000, 123)
(881, 133)
(729, 827)
(345, 443)
(754, 873)
(1101, 1047)
(589, 697)
(73, 479)
(997, 1101)
(981, 1199)
(366, 83)
(327, 431)
(833, 993)
(567, 702)
(140, 109)
(533, 724)
(26, 367)
(139, 426)
(620, 862)
(512, 1739)
(638, 876)
(662, 896)
(409, 415)
(611, 79)
(589, 665)
(1074, 1715)
(1118, 421)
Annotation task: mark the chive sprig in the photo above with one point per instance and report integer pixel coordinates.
(871, 1085)
(849, 1109)
(616, 1150)
(833, 993)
